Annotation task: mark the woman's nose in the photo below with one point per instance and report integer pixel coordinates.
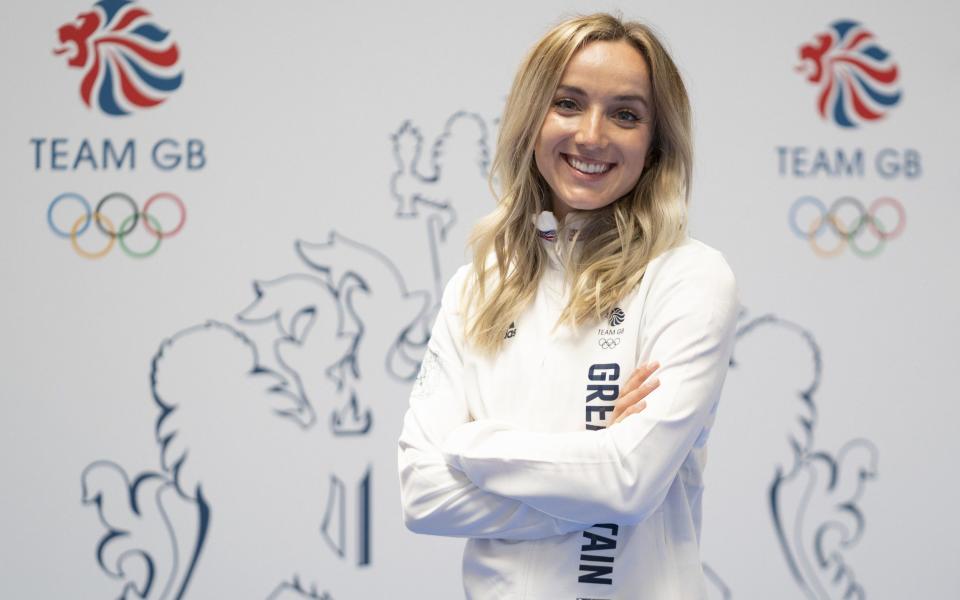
(590, 131)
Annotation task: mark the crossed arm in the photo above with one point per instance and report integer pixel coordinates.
(486, 479)
(437, 498)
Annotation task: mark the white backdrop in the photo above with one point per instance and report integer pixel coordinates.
(219, 419)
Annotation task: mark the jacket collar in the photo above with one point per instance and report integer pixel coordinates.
(547, 226)
(549, 231)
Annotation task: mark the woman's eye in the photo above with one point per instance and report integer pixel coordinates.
(565, 104)
(626, 115)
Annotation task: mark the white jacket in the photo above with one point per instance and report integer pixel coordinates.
(512, 451)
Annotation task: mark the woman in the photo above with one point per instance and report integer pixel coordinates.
(534, 428)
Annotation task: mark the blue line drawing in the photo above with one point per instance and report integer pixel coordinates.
(291, 373)
(813, 494)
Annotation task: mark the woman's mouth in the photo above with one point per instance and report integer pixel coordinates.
(594, 168)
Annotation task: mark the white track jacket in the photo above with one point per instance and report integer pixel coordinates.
(513, 453)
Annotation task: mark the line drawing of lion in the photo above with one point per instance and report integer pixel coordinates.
(279, 402)
(804, 500)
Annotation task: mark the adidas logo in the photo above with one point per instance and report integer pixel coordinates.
(511, 331)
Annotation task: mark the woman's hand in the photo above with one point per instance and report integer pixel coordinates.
(632, 394)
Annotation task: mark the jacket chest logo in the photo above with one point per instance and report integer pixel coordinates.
(609, 337)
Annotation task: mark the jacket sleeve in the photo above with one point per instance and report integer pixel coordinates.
(622, 474)
(438, 499)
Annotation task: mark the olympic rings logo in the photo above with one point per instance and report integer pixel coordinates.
(608, 343)
(105, 225)
(865, 223)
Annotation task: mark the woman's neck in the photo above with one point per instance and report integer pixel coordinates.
(559, 211)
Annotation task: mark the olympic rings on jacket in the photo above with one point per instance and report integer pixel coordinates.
(609, 343)
(127, 225)
(847, 233)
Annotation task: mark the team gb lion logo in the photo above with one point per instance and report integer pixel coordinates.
(128, 62)
(856, 77)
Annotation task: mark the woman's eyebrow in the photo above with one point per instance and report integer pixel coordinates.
(572, 89)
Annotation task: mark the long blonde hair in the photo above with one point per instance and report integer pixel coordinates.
(620, 239)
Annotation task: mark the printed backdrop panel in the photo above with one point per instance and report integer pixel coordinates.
(231, 225)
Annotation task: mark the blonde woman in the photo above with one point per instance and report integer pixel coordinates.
(537, 427)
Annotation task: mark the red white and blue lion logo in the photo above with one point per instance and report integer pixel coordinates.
(129, 63)
(857, 78)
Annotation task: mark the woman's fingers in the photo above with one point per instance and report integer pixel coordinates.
(633, 397)
(635, 401)
(639, 375)
(642, 404)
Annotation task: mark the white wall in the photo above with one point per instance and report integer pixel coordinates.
(320, 220)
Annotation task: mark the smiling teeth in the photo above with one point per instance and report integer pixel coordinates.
(588, 167)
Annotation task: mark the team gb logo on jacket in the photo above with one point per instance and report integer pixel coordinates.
(128, 62)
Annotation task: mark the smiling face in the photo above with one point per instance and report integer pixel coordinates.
(593, 143)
